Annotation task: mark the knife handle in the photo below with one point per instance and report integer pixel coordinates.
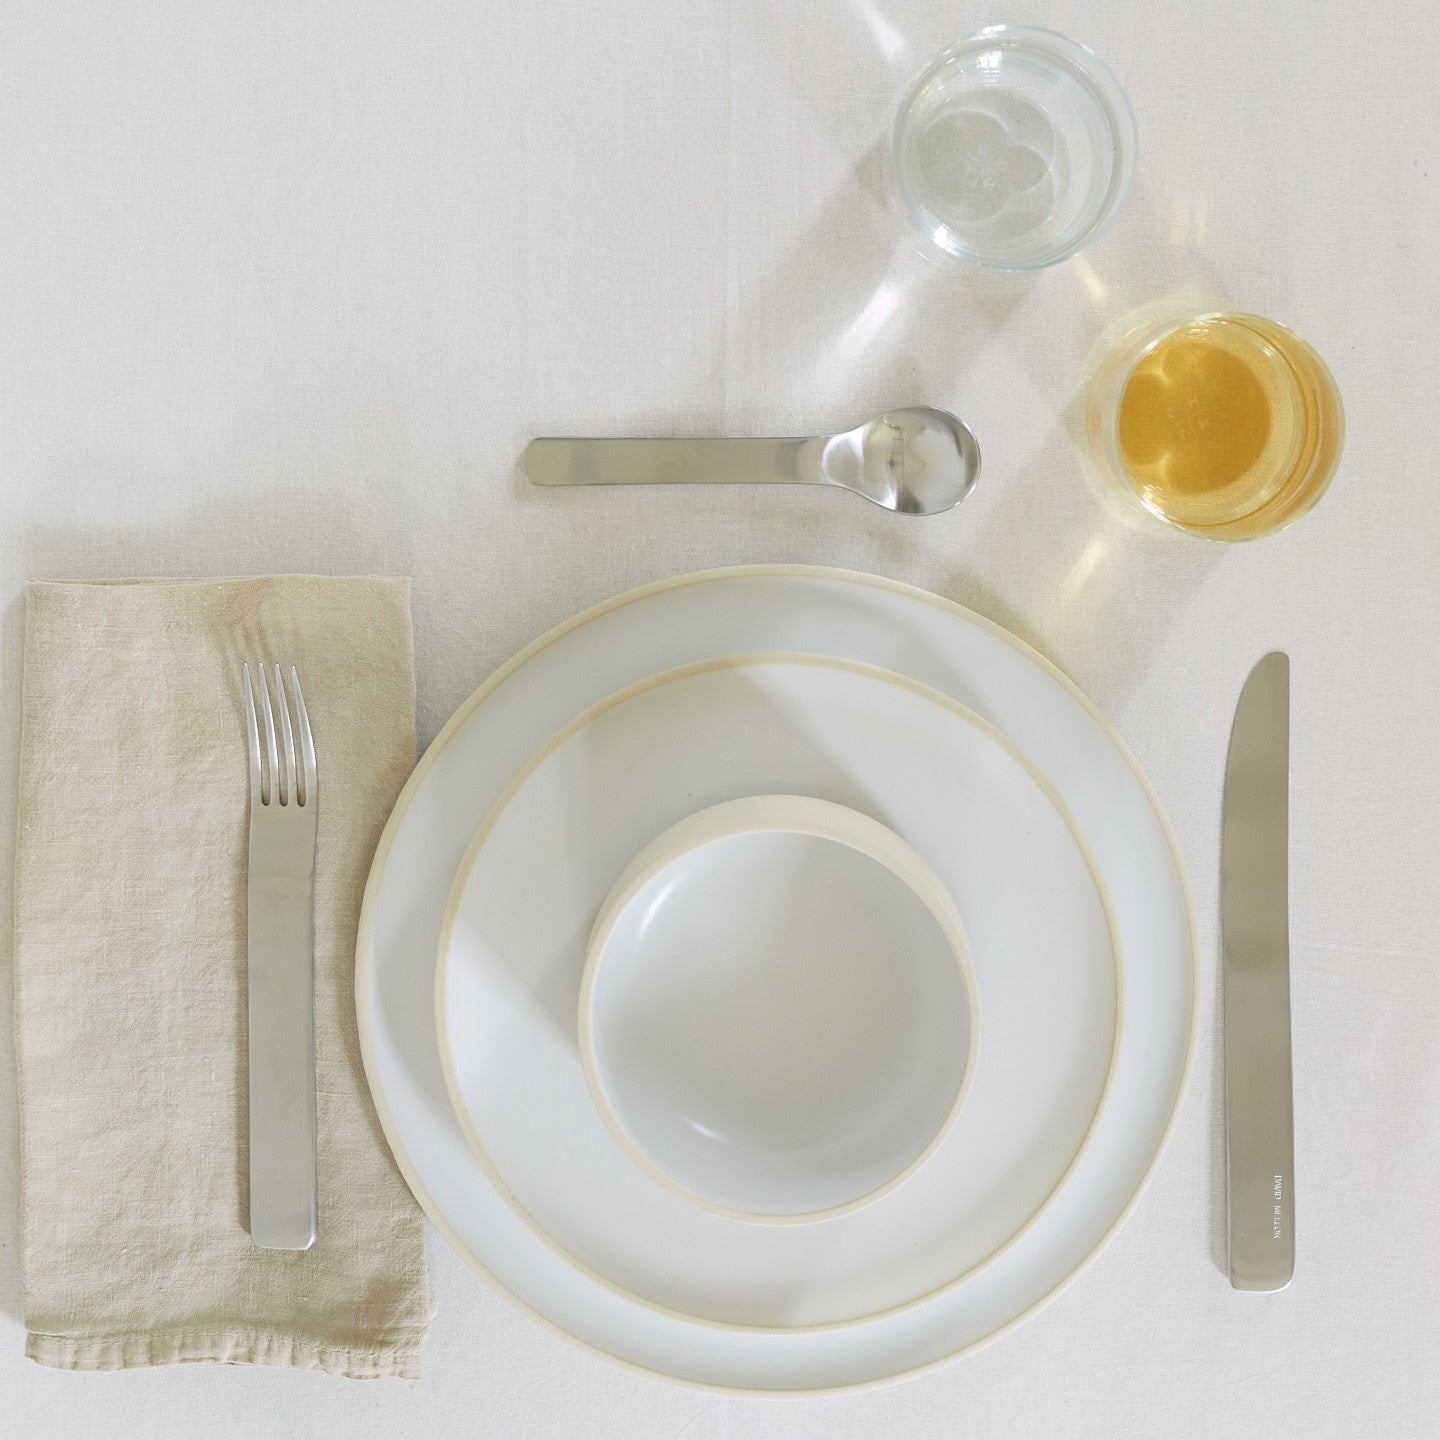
(281, 986)
(1260, 1143)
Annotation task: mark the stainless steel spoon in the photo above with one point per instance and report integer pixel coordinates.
(917, 460)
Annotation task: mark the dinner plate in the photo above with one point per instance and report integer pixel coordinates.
(512, 955)
(703, 616)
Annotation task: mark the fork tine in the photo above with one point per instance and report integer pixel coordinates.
(252, 732)
(307, 744)
(289, 796)
(271, 786)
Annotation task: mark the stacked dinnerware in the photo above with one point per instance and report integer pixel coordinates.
(777, 979)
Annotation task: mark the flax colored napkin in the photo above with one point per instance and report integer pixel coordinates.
(130, 995)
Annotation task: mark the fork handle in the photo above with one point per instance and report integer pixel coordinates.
(281, 983)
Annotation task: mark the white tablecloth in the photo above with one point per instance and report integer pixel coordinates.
(289, 287)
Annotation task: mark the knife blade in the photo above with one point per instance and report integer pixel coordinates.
(1254, 919)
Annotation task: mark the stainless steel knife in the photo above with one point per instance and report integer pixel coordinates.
(1254, 919)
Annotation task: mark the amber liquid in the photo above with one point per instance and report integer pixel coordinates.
(1230, 425)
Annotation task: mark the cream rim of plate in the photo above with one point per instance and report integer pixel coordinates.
(772, 815)
(581, 722)
(365, 944)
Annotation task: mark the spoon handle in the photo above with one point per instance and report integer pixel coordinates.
(674, 462)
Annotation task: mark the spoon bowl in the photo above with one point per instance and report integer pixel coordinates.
(916, 461)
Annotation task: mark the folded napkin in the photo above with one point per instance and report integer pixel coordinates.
(130, 1000)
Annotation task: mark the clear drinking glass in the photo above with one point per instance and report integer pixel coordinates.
(1014, 149)
(1225, 425)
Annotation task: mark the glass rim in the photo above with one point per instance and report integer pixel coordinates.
(1113, 102)
(1320, 392)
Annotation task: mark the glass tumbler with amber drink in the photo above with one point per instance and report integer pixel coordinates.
(1226, 425)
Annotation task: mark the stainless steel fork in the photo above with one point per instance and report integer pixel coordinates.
(284, 807)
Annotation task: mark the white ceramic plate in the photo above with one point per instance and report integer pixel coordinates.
(541, 863)
(703, 616)
(777, 1015)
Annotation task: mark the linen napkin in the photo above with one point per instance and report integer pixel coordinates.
(130, 997)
